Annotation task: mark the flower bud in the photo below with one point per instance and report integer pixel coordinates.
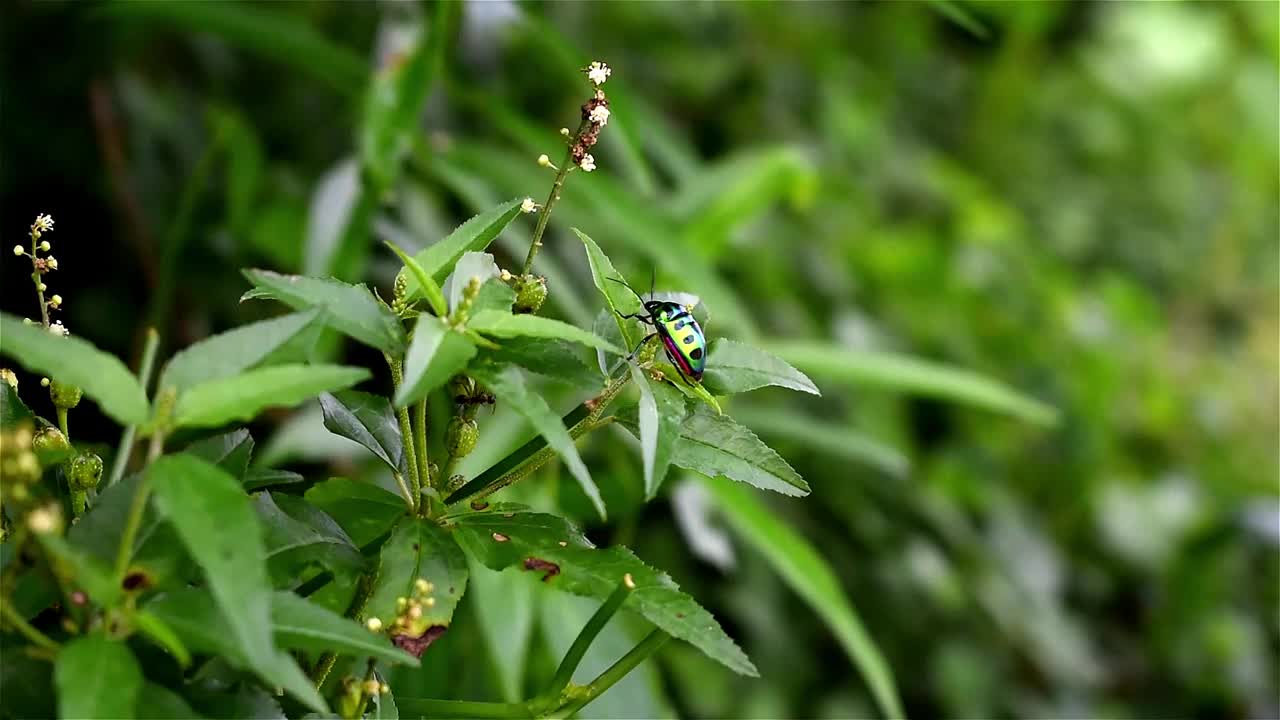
(50, 439)
(85, 471)
(531, 292)
(64, 395)
(461, 436)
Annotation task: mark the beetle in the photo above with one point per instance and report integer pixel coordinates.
(681, 336)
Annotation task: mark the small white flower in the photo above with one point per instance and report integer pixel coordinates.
(598, 72)
(53, 262)
(600, 115)
(588, 163)
(57, 328)
(41, 287)
(564, 131)
(44, 245)
(528, 206)
(43, 520)
(374, 624)
(43, 223)
(56, 301)
(19, 250)
(543, 160)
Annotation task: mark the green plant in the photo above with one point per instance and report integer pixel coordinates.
(247, 582)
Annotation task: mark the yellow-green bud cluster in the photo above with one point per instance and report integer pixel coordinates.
(461, 436)
(531, 292)
(85, 471)
(18, 464)
(400, 295)
(410, 610)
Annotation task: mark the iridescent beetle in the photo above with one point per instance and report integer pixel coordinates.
(680, 333)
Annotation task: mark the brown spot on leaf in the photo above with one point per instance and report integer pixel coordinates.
(540, 565)
(415, 646)
(679, 615)
(136, 580)
(508, 515)
(479, 505)
(500, 537)
(415, 547)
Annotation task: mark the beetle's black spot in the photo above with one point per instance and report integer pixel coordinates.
(136, 580)
(688, 339)
(696, 353)
(415, 547)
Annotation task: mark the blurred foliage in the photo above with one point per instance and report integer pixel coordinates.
(1077, 199)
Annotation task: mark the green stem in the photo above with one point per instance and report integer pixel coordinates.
(364, 589)
(364, 699)
(420, 443)
(564, 673)
(545, 215)
(178, 233)
(616, 672)
(25, 628)
(406, 434)
(534, 454)
(151, 344)
(62, 423)
(133, 522)
(429, 707)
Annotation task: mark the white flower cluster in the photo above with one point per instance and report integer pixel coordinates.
(598, 72)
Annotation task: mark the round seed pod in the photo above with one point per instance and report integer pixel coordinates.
(49, 439)
(85, 471)
(461, 436)
(64, 395)
(531, 292)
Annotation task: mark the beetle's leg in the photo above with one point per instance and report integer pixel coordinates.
(642, 318)
(641, 344)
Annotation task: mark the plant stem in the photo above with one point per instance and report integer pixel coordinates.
(62, 423)
(430, 707)
(178, 233)
(406, 435)
(151, 344)
(364, 589)
(25, 628)
(616, 672)
(133, 522)
(545, 216)
(564, 673)
(420, 443)
(535, 453)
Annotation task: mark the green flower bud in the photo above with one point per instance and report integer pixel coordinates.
(85, 471)
(461, 436)
(50, 439)
(64, 395)
(531, 292)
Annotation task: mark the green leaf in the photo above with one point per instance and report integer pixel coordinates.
(554, 549)
(504, 605)
(12, 410)
(259, 477)
(475, 266)
(276, 35)
(472, 235)
(301, 625)
(733, 368)
(297, 537)
(163, 635)
(436, 354)
(215, 521)
(242, 397)
(350, 309)
(618, 298)
(434, 296)
(508, 385)
(395, 99)
(364, 511)
(96, 678)
(77, 362)
(367, 419)
(230, 451)
(234, 351)
(156, 702)
(805, 571)
(505, 325)
(860, 368)
(715, 445)
(824, 436)
(550, 358)
(419, 548)
(660, 413)
(296, 624)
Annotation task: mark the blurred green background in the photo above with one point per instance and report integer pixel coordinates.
(1076, 199)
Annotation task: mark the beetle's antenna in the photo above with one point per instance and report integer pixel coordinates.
(633, 290)
(653, 280)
